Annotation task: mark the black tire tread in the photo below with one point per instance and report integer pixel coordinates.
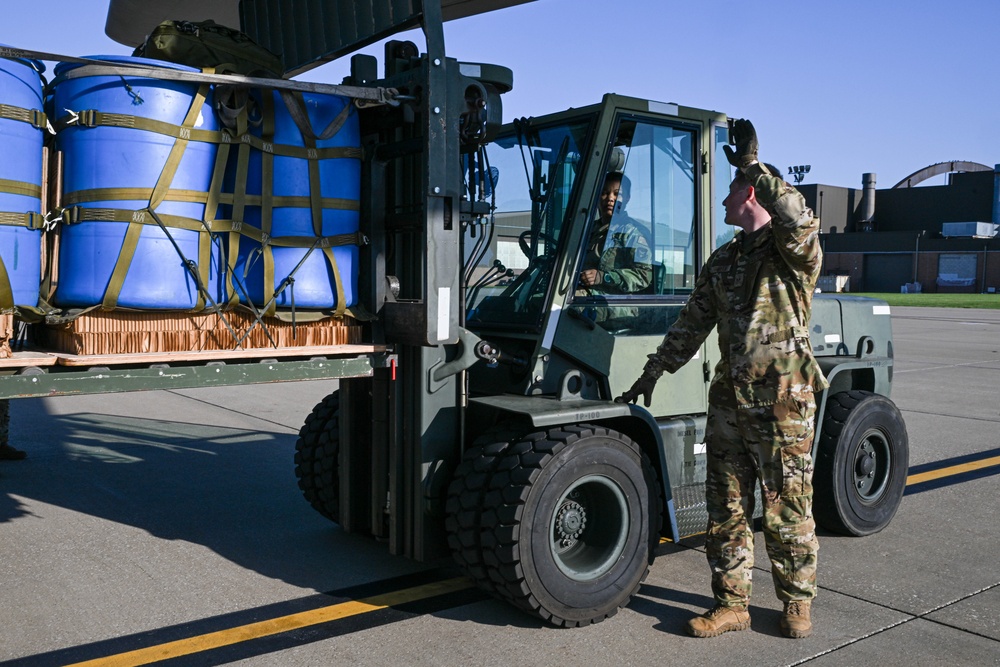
(839, 408)
(464, 503)
(504, 502)
(316, 457)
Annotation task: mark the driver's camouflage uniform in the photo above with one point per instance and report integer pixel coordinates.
(757, 290)
(624, 265)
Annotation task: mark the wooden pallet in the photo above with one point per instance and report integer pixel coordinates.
(38, 358)
(129, 333)
(6, 333)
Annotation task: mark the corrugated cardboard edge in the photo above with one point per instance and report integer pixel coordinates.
(121, 332)
(6, 333)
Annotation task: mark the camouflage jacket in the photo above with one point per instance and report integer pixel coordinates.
(624, 261)
(757, 289)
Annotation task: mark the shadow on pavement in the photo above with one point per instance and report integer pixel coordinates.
(231, 490)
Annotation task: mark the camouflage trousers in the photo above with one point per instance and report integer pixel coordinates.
(771, 444)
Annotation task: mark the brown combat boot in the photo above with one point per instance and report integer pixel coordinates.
(717, 620)
(8, 453)
(795, 622)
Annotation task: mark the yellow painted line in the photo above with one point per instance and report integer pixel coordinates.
(952, 470)
(928, 476)
(275, 626)
(335, 612)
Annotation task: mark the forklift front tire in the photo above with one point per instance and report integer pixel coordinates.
(570, 522)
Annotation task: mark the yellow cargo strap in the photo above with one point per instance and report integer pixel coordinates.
(315, 199)
(134, 229)
(212, 199)
(239, 203)
(32, 221)
(267, 201)
(28, 220)
(34, 117)
(20, 188)
(76, 214)
(196, 197)
(296, 105)
(94, 118)
(6, 291)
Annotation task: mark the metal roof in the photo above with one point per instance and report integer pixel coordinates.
(129, 21)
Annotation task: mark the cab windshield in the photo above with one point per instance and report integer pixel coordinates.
(530, 174)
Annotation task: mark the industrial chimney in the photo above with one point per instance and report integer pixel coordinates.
(867, 221)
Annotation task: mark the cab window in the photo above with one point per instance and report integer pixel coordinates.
(641, 246)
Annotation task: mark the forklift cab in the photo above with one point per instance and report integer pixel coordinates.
(526, 290)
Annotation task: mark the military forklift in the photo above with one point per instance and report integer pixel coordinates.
(493, 432)
(478, 417)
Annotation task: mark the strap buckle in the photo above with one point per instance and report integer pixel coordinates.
(35, 221)
(38, 119)
(85, 118)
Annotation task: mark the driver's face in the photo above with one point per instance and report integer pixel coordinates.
(609, 196)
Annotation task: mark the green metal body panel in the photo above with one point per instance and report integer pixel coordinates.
(39, 384)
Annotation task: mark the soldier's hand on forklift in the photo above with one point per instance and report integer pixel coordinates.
(744, 137)
(642, 387)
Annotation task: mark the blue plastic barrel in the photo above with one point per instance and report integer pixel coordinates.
(21, 166)
(314, 282)
(101, 157)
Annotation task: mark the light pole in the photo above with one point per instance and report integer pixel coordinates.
(799, 172)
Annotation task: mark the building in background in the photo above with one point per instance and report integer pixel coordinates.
(939, 238)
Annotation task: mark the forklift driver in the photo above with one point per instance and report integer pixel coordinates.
(618, 259)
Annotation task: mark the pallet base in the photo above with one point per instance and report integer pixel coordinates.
(6, 333)
(120, 332)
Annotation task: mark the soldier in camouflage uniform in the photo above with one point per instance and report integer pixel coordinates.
(757, 290)
(618, 259)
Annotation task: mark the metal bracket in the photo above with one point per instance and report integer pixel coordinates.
(466, 358)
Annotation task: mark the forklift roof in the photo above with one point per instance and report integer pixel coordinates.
(305, 34)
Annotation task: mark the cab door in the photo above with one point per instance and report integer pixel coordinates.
(647, 256)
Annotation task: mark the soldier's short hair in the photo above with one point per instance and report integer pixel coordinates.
(741, 178)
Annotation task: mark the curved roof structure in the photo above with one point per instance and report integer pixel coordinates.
(938, 169)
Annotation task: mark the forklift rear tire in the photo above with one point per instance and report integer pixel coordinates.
(317, 452)
(570, 522)
(861, 463)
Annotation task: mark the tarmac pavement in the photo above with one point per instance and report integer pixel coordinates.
(148, 518)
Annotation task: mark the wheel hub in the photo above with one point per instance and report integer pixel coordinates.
(866, 464)
(871, 466)
(570, 522)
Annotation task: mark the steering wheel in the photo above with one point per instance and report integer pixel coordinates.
(522, 242)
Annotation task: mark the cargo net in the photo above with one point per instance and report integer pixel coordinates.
(20, 127)
(258, 256)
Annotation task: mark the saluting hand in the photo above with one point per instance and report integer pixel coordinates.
(743, 135)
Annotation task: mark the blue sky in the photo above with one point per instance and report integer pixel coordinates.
(848, 87)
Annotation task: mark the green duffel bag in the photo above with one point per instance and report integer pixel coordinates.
(207, 44)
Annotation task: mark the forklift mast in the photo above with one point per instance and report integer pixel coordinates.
(402, 428)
